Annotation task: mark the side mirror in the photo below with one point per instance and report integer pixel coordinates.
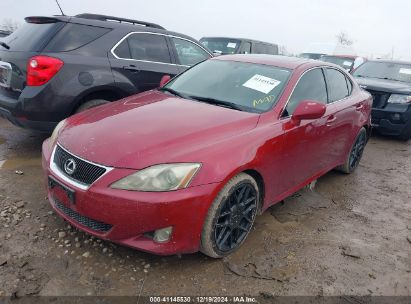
(164, 80)
(308, 109)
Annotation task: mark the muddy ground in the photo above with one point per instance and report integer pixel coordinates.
(351, 235)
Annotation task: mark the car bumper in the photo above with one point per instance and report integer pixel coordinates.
(30, 109)
(130, 217)
(394, 119)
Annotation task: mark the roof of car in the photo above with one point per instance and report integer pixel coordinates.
(109, 22)
(234, 38)
(274, 60)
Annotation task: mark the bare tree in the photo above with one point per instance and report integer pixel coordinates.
(343, 39)
(9, 25)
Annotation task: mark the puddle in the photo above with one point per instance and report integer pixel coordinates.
(10, 164)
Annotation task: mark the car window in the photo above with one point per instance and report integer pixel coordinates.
(259, 48)
(246, 48)
(142, 46)
(188, 53)
(31, 37)
(221, 46)
(73, 36)
(337, 85)
(311, 86)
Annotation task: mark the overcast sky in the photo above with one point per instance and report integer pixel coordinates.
(376, 26)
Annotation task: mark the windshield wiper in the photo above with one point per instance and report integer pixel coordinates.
(174, 92)
(5, 45)
(218, 102)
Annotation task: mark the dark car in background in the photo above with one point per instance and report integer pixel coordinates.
(226, 45)
(347, 62)
(389, 82)
(53, 67)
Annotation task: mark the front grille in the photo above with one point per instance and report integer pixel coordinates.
(85, 172)
(379, 99)
(83, 220)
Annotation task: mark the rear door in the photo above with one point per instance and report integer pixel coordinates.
(140, 59)
(344, 111)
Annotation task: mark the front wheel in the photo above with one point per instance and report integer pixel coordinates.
(355, 154)
(230, 217)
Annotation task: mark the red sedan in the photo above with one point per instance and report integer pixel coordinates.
(188, 166)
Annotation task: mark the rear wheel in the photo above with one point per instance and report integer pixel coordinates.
(355, 154)
(91, 104)
(230, 217)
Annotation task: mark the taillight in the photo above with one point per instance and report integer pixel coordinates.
(40, 69)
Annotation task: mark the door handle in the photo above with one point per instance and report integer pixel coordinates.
(330, 120)
(359, 107)
(131, 68)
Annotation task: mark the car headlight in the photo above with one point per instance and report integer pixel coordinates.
(164, 177)
(56, 132)
(399, 98)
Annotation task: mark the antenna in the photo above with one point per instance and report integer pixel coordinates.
(60, 8)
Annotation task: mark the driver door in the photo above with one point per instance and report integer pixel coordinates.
(304, 144)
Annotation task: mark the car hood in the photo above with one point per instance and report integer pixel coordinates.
(151, 128)
(385, 85)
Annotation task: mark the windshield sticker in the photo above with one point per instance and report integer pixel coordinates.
(347, 63)
(405, 71)
(267, 99)
(261, 83)
(232, 45)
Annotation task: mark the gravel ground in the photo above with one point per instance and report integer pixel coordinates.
(350, 235)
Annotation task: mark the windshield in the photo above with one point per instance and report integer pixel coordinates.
(248, 86)
(384, 70)
(343, 62)
(221, 46)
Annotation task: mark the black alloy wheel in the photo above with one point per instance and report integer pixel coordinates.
(236, 217)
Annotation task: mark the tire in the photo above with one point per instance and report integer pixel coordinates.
(232, 213)
(355, 154)
(91, 104)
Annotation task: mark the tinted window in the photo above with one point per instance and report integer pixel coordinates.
(259, 48)
(337, 85)
(272, 49)
(188, 53)
(73, 36)
(311, 86)
(31, 37)
(246, 48)
(146, 47)
(253, 87)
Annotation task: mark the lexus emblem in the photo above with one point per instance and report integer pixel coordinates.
(70, 166)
